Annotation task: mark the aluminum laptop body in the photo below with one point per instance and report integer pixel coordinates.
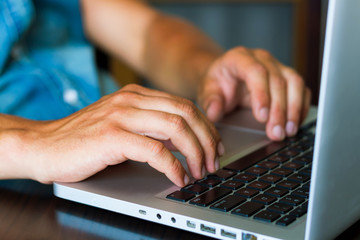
(137, 190)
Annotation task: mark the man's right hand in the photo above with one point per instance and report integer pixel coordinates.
(134, 123)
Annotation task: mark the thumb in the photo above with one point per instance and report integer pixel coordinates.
(215, 108)
(211, 99)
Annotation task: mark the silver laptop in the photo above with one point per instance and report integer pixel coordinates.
(263, 189)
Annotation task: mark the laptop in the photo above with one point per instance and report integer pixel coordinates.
(305, 187)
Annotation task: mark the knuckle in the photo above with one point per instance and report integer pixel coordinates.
(278, 81)
(125, 96)
(198, 154)
(235, 53)
(188, 108)
(240, 49)
(174, 166)
(157, 149)
(298, 80)
(264, 54)
(131, 87)
(177, 123)
(212, 143)
(257, 68)
(108, 129)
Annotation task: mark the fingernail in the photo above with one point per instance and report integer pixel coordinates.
(203, 171)
(278, 132)
(264, 114)
(291, 128)
(221, 149)
(186, 179)
(217, 164)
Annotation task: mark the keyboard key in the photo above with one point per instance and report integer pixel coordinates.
(299, 147)
(264, 199)
(286, 220)
(256, 171)
(222, 174)
(276, 192)
(301, 192)
(244, 178)
(288, 153)
(309, 154)
(280, 208)
(248, 209)
(292, 200)
(233, 185)
(208, 182)
(194, 188)
(306, 185)
(302, 160)
(290, 185)
(210, 197)
(255, 157)
(292, 166)
(299, 178)
(307, 142)
(267, 216)
(298, 212)
(261, 186)
(282, 172)
(279, 159)
(228, 203)
(306, 171)
(267, 165)
(246, 192)
(270, 178)
(180, 196)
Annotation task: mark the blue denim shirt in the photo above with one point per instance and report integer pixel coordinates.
(47, 68)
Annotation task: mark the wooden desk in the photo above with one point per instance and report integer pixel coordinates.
(28, 210)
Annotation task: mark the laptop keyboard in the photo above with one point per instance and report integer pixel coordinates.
(271, 184)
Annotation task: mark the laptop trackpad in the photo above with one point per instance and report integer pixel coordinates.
(241, 134)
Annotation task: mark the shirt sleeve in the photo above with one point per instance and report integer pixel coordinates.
(15, 19)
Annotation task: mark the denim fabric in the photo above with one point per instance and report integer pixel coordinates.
(49, 72)
(15, 17)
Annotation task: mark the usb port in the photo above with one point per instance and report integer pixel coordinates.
(190, 224)
(228, 234)
(207, 229)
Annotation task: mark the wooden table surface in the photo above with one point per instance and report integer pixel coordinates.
(29, 210)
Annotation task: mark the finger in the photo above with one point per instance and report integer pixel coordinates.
(255, 74)
(275, 127)
(167, 126)
(135, 88)
(203, 129)
(162, 100)
(295, 100)
(211, 99)
(143, 149)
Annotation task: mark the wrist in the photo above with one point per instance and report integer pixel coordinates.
(13, 163)
(20, 157)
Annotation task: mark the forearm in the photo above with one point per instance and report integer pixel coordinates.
(168, 51)
(177, 55)
(12, 136)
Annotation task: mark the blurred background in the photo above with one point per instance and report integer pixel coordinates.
(289, 29)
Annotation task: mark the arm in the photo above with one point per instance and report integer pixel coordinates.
(169, 51)
(179, 58)
(128, 124)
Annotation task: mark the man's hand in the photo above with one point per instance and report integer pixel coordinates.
(253, 78)
(134, 123)
(175, 55)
